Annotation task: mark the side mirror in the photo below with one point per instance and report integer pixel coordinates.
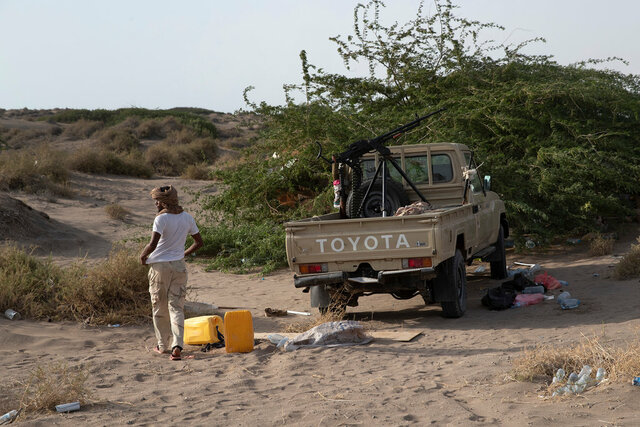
(487, 183)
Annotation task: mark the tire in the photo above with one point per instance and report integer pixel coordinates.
(395, 198)
(454, 273)
(499, 268)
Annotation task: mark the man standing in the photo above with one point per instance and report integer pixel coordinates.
(168, 272)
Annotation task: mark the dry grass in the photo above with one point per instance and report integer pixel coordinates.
(52, 385)
(313, 321)
(541, 363)
(600, 246)
(173, 159)
(38, 170)
(114, 291)
(335, 312)
(106, 161)
(119, 140)
(199, 171)
(82, 129)
(117, 212)
(20, 138)
(182, 136)
(629, 265)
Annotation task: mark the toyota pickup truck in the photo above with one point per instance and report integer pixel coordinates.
(339, 259)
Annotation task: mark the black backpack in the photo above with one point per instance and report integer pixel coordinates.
(517, 283)
(499, 298)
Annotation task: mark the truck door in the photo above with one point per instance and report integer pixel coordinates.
(482, 209)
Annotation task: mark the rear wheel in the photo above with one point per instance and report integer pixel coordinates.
(455, 274)
(499, 267)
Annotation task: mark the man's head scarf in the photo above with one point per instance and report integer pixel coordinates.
(169, 197)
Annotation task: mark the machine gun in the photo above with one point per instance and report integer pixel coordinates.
(351, 157)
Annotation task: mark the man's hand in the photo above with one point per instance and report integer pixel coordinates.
(197, 244)
(155, 238)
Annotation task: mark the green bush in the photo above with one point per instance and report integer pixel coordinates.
(560, 142)
(201, 125)
(245, 247)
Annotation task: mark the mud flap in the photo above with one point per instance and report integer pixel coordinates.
(319, 296)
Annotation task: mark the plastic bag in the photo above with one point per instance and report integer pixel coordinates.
(331, 334)
(548, 281)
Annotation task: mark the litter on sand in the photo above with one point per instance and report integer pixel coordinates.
(330, 334)
(577, 383)
(404, 335)
(276, 312)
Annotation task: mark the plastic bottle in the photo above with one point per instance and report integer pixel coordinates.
(68, 407)
(8, 417)
(336, 193)
(569, 303)
(600, 374)
(585, 372)
(530, 244)
(573, 377)
(533, 290)
(564, 295)
(636, 381)
(563, 282)
(559, 376)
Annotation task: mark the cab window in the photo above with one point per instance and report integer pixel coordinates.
(441, 168)
(369, 169)
(417, 168)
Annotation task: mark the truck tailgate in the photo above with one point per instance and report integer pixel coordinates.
(362, 239)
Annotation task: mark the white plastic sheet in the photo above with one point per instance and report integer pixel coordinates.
(330, 334)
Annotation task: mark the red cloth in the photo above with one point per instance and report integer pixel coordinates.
(549, 282)
(529, 299)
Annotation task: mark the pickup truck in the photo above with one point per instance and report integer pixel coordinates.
(340, 259)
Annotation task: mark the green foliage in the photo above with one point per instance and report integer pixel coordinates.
(188, 117)
(244, 247)
(560, 142)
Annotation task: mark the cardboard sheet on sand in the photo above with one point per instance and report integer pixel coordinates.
(405, 335)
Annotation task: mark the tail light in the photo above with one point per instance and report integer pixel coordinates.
(416, 262)
(313, 268)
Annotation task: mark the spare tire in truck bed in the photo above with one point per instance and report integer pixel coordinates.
(395, 198)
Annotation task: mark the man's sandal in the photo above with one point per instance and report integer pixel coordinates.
(176, 353)
(157, 350)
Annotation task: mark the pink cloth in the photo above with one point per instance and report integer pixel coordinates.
(528, 299)
(549, 282)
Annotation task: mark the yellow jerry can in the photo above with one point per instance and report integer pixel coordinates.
(202, 330)
(238, 331)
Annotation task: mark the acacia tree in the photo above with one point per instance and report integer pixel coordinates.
(561, 142)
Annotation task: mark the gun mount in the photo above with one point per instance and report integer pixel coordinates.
(352, 156)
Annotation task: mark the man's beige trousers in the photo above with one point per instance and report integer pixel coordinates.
(168, 288)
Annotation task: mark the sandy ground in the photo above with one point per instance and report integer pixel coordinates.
(457, 372)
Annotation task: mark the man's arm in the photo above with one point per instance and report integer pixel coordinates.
(151, 246)
(197, 244)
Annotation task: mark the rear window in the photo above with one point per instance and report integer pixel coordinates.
(441, 168)
(369, 169)
(417, 168)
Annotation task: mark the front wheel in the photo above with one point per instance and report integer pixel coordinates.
(499, 267)
(454, 274)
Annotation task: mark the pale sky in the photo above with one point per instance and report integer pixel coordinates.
(203, 53)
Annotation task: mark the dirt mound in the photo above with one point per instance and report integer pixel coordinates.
(19, 220)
